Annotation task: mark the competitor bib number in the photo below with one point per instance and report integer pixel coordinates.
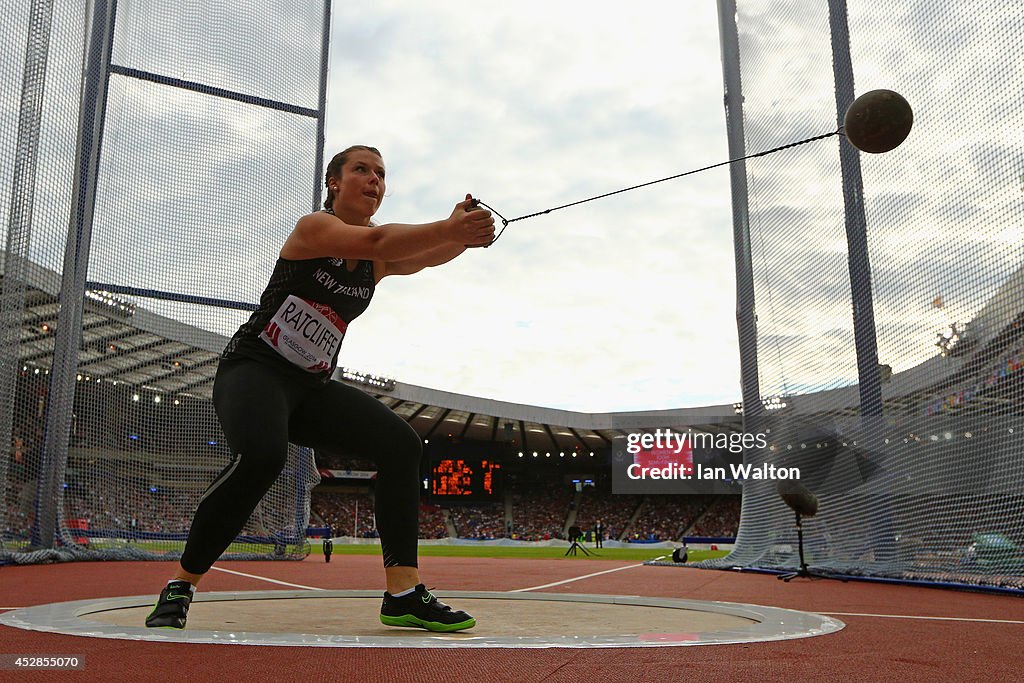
(305, 333)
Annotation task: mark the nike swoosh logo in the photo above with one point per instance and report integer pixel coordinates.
(177, 597)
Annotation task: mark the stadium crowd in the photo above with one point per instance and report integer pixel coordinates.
(669, 518)
(544, 513)
(615, 512)
(128, 508)
(539, 513)
(480, 522)
(721, 519)
(348, 514)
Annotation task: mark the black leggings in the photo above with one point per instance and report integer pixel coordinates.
(261, 409)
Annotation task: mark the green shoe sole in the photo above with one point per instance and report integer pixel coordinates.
(411, 621)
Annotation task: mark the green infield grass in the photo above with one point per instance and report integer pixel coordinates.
(549, 553)
(638, 553)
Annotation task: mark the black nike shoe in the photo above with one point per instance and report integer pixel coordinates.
(421, 609)
(171, 608)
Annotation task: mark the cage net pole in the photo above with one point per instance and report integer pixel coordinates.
(877, 515)
(19, 232)
(746, 317)
(60, 394)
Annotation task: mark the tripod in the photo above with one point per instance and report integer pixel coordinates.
(574, 547)
(803, 570)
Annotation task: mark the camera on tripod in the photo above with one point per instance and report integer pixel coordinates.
(575, 534)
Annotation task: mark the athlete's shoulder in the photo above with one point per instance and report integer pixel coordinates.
(321, 217)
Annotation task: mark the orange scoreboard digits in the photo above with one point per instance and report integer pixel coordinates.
(465, 478)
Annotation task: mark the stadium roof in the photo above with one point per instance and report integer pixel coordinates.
(124, 343)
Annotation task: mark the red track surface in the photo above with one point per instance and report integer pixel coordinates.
(870, 648)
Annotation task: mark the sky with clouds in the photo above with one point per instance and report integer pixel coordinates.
(625, 303)
(628, 302)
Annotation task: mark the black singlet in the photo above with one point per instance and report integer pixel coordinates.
(303, 314)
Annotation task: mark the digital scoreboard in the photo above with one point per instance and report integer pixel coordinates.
(464, 477)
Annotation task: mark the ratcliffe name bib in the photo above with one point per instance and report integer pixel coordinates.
(305, 333)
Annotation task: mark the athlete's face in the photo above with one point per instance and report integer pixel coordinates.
(361, 185)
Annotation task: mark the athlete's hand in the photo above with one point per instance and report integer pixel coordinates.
(470, 225)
